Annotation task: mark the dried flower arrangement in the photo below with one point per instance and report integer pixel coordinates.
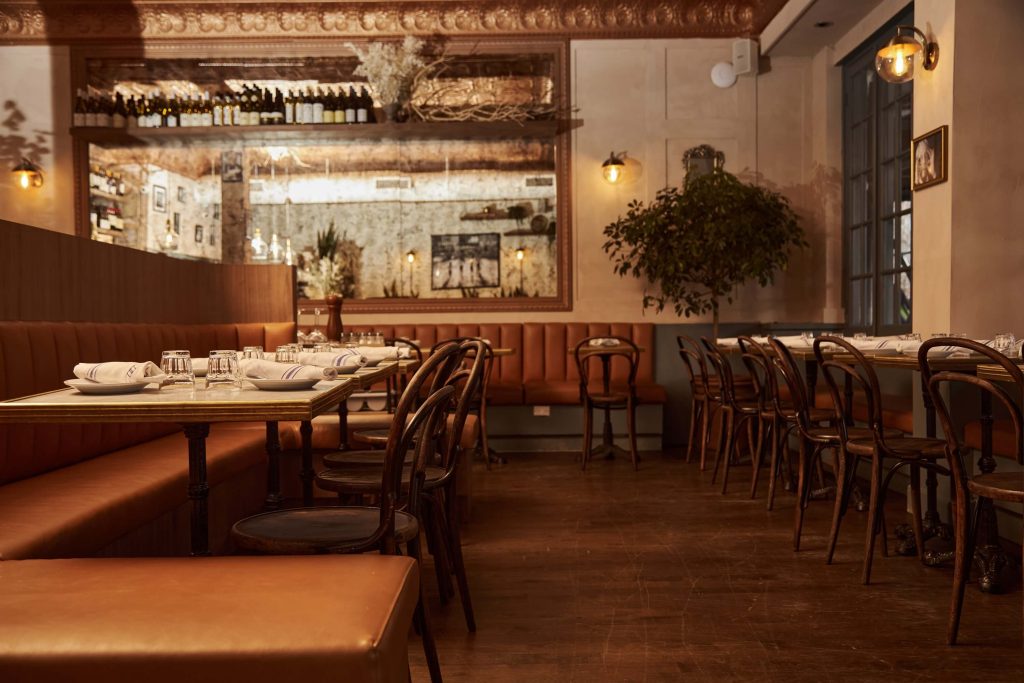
(391, 68)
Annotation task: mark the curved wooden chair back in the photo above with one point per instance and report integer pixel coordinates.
(467, 383)
(585, 357)
(935, 378)
(722, 369)
(799, 407)
(418, 430)
(414, 349)
(701, 365)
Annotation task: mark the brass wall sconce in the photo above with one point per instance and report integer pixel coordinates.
(27, 174)
(896, 61)
(613, 167)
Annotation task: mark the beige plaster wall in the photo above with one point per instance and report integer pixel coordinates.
(987, 178)
(34, 85)
(933, 218)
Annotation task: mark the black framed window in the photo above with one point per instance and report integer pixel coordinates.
(877, 222)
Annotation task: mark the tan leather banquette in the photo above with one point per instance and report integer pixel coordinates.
(72, 490)
(541, 371)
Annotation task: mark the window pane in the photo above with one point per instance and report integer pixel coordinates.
(906, 242)
(861, 249)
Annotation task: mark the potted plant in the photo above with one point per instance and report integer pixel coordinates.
(695, 245)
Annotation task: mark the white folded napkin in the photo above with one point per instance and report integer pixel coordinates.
(910, 348)
(728, 341)
(375, 354)
(200, 366)
(118, 373)
(794, 340)
(268, 369)
(345, 358)
(874, 343)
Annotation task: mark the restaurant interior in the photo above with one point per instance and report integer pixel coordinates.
(511, 340)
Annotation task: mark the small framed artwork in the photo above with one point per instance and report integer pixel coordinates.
(160, 199)
(459, 261)
(181, 194)
(216, 212)
(231, 167)
(929, 156)
(177, 223)
(213, 239)
(199, 234)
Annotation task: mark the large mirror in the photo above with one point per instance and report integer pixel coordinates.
(392, 215)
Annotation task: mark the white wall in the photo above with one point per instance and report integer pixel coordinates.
(35, 83)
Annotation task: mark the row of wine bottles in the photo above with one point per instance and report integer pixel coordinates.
(106, 181)
(252, 106)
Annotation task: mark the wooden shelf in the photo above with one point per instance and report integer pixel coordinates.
(93, 192)
(312, 134)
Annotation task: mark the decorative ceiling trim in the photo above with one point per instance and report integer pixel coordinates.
(68, 21)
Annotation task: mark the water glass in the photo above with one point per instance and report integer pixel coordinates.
(223, 370)
(285, 354)
(1004, 342)
(807, 337)
(860, 336)
(253, 352)
(322, 348)
(911, 336)
(177, 365)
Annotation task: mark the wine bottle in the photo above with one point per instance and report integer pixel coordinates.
(339, 106)
(207, 110)
(328, 105)
(173, 116)
(289, 107)
(350, 106)
(79, 116)
(318, 107)
(236, 110)
(132, 120)
(307, 107)
(278, 117)
(217, 112)
(362, 113)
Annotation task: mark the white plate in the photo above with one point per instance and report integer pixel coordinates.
(86, 386)
(283, 384)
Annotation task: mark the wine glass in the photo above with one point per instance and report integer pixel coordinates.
(316, 336)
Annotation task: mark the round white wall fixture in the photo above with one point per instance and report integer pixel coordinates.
(723, 75)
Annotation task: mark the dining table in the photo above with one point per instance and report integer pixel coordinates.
(195, 409)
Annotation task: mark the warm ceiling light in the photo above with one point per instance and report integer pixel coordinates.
(896, 61)
(28, 174)
(613, 167)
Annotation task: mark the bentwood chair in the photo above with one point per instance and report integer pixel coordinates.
(692, 361)
(710, 390)
(759, 368)
(440, 516)
(359, 529)
(599, 392)
(1004, 486)
(878, 443)
(736, 413)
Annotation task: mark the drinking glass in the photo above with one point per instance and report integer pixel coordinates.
(252, 352)
(177, 365)
(1004, 342)
(316, 336)
(223, 370)
(285, 354)
(911, 336)
(860, 336)
(807, 337)
(322, 348)
(935, 335)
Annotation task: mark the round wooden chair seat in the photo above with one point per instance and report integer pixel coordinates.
(371, 437)
(360, 458)
(366, 481)
(860, 435)
(907, 447)
(312, 531)
(611, 398)
(1008, 486)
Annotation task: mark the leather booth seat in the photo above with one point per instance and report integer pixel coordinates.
(76, 489)
(898, 412)
(253, 619)
(1003, 438)
(541, 371)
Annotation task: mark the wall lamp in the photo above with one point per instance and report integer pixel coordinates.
(896, 61)
(28, 174)
(613, 167)
(410, 257)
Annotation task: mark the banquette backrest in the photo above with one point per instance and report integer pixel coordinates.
(550, 360)
(38, 356)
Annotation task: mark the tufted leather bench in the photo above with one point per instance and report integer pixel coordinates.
(541, 372)
(254, 619)
(82, 489)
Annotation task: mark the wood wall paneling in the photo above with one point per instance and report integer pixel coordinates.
(46, 275)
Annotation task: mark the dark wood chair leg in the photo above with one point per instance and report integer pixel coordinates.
(765, 432)
(731, 448)
(839, 510)
(778, 442)
(915, 510)
(965, 533)
(437, 543)
(454, 534)
(692, 434)
(802, 484)
(631, 424)
(423, 625)
(873, 514)
(725, 434)
(588, 431)
(710, 410)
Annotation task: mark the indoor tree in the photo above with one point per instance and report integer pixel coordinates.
(696, 244)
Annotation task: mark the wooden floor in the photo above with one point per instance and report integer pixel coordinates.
(612, 575)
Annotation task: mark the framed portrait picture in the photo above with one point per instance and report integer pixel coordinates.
(459, 261)
(181, 194)
(928, 158)
(231, 167)
(160, 199)
(216, 212)
(177, 223)
(199, 234)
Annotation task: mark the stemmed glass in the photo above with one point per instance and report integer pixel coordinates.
(316, 336)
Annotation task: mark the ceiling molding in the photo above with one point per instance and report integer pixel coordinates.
(70, 21)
